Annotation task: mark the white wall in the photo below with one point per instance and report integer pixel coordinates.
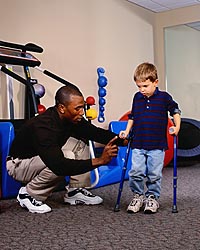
(187, 96)
(182, 51)
(169, 19)
(78, 36)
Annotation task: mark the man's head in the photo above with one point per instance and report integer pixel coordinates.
(146, 78)
(70, 103)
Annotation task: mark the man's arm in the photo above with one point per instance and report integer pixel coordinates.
(54, 159)
(91, 132)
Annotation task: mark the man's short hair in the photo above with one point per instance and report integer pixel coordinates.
(64, 93)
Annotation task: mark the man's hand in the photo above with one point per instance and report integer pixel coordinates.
(109, 152)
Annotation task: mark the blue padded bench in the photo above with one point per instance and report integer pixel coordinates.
(111, 173)
(9, 187)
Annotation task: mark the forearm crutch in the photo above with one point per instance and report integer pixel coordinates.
(174, 207)
(117, 205)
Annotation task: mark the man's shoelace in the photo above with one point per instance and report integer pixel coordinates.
(36, 203)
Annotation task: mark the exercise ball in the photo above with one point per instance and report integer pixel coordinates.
(39, 89)
(91, 114)
(41, 108)
(169, 153)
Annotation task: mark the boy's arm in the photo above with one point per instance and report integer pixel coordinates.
(177, 124)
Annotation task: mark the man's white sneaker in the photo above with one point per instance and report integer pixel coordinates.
(136, 204)
(151, 205)
(81, 196)
(33, 206)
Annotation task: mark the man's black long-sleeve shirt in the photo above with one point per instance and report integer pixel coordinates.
(45, 134)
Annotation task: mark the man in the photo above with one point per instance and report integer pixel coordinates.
(37, 158)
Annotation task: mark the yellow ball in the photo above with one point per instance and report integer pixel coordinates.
(91, 114)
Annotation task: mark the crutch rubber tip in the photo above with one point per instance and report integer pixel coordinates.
(116, 209)
(174, 209)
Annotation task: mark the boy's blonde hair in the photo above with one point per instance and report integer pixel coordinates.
(144, 72)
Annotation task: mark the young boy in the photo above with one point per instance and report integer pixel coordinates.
(148, 120)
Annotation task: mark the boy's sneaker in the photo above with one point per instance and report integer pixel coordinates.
(82, 196)
(151, 205)
(136, 204)
(33, 206)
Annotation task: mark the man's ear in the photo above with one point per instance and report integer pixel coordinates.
(61, 108)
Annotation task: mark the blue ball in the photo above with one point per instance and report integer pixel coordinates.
(101, 114)
(102, 81)
(102, 109)
(101, 117)
(39, 90)
(102, 101)
(100, 70)
(102, 92)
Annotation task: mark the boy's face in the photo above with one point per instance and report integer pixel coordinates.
(147, 88)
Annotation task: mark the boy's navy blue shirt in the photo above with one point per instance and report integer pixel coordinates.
(150, 117)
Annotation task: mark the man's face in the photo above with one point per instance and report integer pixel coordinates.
(147, 88)
(74, 110)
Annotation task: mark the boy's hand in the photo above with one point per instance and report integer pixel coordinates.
(123, 134)
(173, 130)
